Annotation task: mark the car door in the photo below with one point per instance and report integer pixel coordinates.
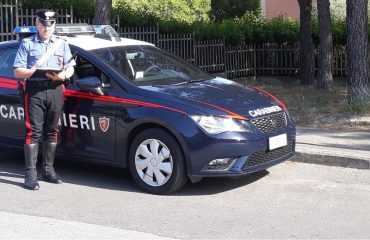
(12, 130)
(89, 118)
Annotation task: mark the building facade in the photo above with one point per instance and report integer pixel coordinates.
(275, 8)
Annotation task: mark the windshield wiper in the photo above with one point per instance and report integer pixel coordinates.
(197, 80)
(180, 83)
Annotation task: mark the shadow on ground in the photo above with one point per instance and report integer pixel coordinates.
(93, 175)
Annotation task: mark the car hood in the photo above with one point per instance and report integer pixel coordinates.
(221, 94)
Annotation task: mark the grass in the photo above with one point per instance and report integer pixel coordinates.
(306, 104)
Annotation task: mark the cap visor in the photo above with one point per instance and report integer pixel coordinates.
(47, 23)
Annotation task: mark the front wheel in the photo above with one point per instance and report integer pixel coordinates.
(156, 162)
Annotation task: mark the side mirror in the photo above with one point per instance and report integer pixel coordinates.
(90, 84)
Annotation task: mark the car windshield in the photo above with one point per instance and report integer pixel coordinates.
(150, 66)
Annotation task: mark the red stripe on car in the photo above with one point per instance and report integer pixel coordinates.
(8, 83)
(6, 80)
(73, 93)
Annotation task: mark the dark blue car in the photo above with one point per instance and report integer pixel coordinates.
(131, 104)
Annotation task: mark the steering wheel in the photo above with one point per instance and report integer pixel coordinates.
(151, 68)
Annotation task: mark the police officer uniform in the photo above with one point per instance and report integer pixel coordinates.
(43, 99)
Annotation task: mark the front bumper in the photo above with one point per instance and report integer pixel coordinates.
(258, 161)
(249, 155)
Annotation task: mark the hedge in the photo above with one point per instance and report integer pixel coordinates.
(251, 28)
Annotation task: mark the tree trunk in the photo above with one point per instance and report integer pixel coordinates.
(103, 12)
(306, 45)
(357, 55)
(325, 63)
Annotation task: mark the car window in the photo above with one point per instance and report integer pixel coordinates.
(7, 57)
(148, 65)
(85, 68)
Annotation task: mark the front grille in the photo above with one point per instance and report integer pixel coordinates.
(267, 156)
(270, 123)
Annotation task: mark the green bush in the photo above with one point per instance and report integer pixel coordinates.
(233, 32)
(174, 27)
(282, 30)
(229, 9)
(253, 25)
(253, 28)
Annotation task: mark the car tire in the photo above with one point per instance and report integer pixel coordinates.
(156, 162)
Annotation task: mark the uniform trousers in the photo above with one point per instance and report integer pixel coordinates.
(43, 107)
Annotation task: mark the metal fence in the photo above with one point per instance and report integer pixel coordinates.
(241, 61)
(277, 59)
(211, 55)
(8, 13)
(182, 45)
(236, 61)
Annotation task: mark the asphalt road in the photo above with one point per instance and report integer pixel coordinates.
(291, 200)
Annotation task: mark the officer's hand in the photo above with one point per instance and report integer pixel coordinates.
(57, 76)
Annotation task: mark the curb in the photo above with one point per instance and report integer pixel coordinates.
(331, 161)
(332, 156)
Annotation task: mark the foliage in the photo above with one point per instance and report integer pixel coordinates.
(338, 27)
(81, 8)
(195, 16)
(183, 11)
(338, 22)
(282, 30)
(338, 9)
(229, 9)
(249, 29)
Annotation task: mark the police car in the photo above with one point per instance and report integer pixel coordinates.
(131, 104)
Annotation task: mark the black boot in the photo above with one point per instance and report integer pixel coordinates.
(30, 154)
(48, 172)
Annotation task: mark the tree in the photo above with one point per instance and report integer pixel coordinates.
(325, 63)
(357, 54)
(103, 12)
(187, 12)
(306, 44)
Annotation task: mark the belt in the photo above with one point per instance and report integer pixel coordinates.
(44, 83)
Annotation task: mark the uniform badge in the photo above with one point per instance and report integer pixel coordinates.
(104, 123)
(60, 61)
(49, 14)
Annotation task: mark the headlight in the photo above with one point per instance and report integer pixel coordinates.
(215, 125)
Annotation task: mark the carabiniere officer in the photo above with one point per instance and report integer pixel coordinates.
(43, 98)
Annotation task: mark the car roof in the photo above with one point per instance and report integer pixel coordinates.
(87, 42)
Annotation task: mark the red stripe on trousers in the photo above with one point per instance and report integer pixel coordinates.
(28, 123)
